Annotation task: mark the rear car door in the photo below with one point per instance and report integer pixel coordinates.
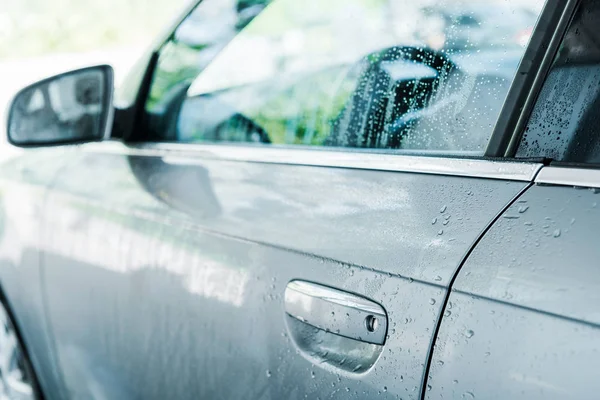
(287, 216)
(522, 321)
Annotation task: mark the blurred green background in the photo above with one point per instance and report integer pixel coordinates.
(30, 28)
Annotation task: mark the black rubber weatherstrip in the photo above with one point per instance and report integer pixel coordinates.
(451, 284)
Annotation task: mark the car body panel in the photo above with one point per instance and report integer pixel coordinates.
(523, 320)
(24, 186)
(179, 263)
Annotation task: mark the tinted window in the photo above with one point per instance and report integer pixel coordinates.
(565, 122)
(393, 74)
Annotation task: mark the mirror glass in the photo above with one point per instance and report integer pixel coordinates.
(68, 108)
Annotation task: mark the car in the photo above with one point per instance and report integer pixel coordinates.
(288, 200)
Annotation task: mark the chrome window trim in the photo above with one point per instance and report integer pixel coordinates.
(563, 176)
(187, 153)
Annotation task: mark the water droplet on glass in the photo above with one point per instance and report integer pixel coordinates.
(438, 278)
(268, 374)
(385, 388)
(359, 366)
(443, 209)
(445, 222)
(433, 221)
(312, 374)
(440, 232)
(428, 387)
(455, 381)
(469, 333)
(556, 233)
(447, 314)
(468, 395)
(432, 301)
(522, 209)
(487, 353)
(440, 362)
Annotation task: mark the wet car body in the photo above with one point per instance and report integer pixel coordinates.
(292, 220)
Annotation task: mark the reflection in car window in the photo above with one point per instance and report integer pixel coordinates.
(564, 124)
(390, 74)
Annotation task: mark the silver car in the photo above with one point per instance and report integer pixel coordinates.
(342, 199)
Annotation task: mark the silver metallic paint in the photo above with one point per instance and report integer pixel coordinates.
(180, 268)
(529, 295)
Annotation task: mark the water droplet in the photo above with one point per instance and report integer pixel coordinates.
(433, 221)
(312, 374)
(443, 209)
(572, 221)
(432, 301)
(447, 216)
(455, 381)
(440, 232)
(438, 278)
(447, 314)
(385, 388)
(268, 374)
(428, 387)
(440, 362)
(528, 223)
(487, 353)
(359, 366)
(468, 395)
(522, 209)
(469, 333)
(445, 222)
(556, 233)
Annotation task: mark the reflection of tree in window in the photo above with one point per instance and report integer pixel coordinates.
(313, 73)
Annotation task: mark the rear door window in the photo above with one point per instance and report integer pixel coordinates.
(565, 122)
(414, 75)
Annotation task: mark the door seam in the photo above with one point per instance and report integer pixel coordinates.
(449, 290)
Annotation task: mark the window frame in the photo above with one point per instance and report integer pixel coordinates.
(530, 77)
(547, 34)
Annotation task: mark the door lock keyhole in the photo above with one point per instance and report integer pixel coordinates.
(371, 323)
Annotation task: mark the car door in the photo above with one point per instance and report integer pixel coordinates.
(291, 207)
(522, 320)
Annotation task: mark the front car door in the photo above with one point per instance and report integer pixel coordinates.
(293, 204)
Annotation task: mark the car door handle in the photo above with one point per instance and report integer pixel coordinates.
(335, 311)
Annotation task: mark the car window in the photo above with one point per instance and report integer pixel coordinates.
(389, 74)
(565, 123)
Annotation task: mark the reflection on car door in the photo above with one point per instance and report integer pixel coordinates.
(166, 266)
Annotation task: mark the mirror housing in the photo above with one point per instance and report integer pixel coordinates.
(73, 107)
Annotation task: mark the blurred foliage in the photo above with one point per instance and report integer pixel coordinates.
(35, 27)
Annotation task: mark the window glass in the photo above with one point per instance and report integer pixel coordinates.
(391, 74)
(565, 123)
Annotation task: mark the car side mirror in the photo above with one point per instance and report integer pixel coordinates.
(73, 107)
